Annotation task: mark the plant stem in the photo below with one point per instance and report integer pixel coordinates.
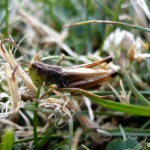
(134, 90)
(35, 121)
(7, 17)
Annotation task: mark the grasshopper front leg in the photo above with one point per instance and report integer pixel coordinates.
(78, 91)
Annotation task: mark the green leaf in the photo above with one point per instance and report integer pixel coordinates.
(127, 108)
(119, 144)
(8, 140)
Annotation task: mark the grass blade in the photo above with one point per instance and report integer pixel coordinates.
(105, 8)
(122, 24)
(129, 132)
(35, 120)
(8, 140)
(127, 108)
(7, 17)
(134, 90)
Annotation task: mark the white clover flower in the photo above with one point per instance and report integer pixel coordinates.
(118, 37)
(122, 41)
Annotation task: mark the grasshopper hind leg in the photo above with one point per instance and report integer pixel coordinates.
(92, 82)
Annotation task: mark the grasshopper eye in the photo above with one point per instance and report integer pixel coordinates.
(41, 71)
(33, 66)
(39, 68)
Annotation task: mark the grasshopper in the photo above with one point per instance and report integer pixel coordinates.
(82, 76)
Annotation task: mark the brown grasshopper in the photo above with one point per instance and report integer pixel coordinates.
(82, 76)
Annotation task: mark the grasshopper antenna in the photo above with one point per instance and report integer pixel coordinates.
(60, 60)
(13, 43)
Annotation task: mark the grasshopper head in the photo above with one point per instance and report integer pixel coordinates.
(36, 73)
